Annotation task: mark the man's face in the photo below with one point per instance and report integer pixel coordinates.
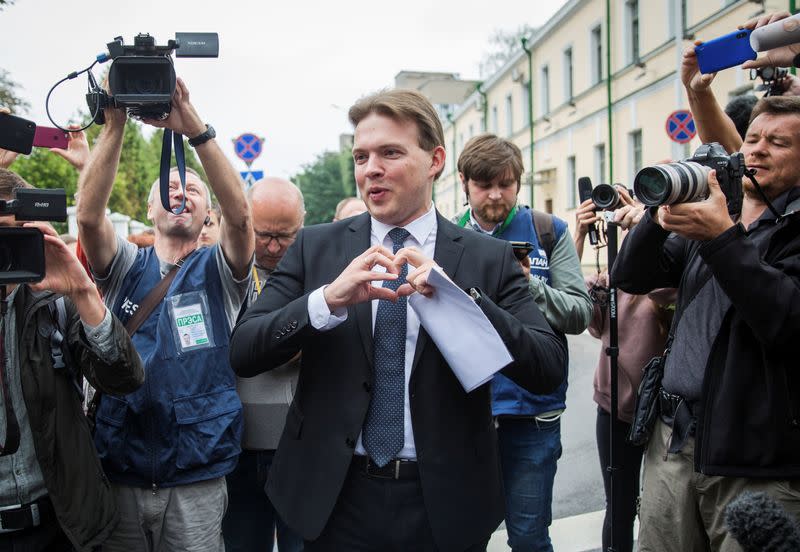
(394, 174)
(275, 224)
(772, 148)
(209, 234)
(492, 201)
(189, 223)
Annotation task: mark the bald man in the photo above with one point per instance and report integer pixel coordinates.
(349, 207)
(278, 210)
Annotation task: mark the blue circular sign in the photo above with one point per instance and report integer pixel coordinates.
(680, 126)
(248, 147)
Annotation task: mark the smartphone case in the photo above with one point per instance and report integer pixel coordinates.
(725, 51)
(16, 133)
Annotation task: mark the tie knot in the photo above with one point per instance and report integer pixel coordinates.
(398, 236)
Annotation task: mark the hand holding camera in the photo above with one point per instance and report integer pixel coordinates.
(699, 220)
(183, 118)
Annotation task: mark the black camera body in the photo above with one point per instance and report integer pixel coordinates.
(22, 249)
(142, 76)
(687, 181)
(772, 79)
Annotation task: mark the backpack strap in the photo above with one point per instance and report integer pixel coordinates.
(59, 350)
(545, 230)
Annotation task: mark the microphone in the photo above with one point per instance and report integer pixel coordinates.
(759, 524)
(781, 33)
(585, 192)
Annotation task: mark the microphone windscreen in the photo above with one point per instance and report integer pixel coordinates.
(781, 33)
(759, 524)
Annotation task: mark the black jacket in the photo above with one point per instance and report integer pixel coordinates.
(748, 417)
(454, 431)
(76, 484)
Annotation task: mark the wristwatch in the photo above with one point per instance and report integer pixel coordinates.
(475, 295)
(203, 137)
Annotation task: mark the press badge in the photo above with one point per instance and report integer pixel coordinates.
(191, 322)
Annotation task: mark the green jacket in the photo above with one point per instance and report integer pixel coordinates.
(76, 484)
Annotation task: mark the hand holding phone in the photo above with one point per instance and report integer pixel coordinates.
(725, 51)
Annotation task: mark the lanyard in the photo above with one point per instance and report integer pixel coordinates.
(462, 222)
(257, 281)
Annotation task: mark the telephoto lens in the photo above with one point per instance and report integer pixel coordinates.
(671, 183)
(605, 196)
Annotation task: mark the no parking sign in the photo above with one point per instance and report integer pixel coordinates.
(680, 126)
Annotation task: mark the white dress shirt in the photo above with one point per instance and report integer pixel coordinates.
(423, 236)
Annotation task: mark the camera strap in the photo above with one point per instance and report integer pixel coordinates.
(12, 426)
(180, 161)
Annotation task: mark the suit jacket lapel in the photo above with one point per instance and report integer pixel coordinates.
(358, 241)
(447, 254)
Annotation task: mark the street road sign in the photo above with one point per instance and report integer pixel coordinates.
(248, 147)
(680, 126)
(251, 177)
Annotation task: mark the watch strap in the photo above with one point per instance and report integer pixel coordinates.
(203, 137)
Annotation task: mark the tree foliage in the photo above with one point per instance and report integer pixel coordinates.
(324, 183)
(503, 45)
(8, 94)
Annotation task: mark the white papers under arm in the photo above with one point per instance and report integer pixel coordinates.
(461, 331)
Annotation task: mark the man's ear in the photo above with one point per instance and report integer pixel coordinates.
(437, 160)
(150, 210)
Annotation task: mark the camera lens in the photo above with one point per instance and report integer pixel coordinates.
(605, 196)
(671, 183)
(652, 185)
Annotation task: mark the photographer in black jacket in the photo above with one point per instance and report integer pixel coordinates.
(53, 493)
(730, 400)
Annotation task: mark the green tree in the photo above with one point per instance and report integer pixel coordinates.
(8, 95)
(323, 186)
(502, 47)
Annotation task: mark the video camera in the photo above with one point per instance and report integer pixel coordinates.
(142, 77)
(22, 249)
(773, 80)
(687, 181)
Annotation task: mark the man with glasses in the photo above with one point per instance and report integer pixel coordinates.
(278, 210)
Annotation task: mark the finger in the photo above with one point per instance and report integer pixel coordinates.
(383, 293)
(43, 227)
(411, 255)
(424, 269)
(777, 17)
(378, 258)
(405, 290)
(381, 249)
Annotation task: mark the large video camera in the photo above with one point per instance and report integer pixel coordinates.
(687, 181)
(22, 249)
(142, 76)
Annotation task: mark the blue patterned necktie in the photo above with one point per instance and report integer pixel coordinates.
(384, 431)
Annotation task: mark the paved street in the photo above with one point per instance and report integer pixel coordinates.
(578, 502)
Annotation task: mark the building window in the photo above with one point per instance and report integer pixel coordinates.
(572, 185)
(509, 116)
(471, 131)
(632, 16)
(545, 95)
(596, 55)
(568, 72)
(526, 103)
(636, 152)
(599, 163)
(548, 206)
(495, 120)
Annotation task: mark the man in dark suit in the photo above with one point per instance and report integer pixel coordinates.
(383, 449)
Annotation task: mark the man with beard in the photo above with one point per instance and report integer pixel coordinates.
(167, 447)
(528, 425)
(251, 521)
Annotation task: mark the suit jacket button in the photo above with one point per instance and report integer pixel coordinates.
(350, 442)
(276, 335)
(412, 395)
(367, 386)
(293, 325)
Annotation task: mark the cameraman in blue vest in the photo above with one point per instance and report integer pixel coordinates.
(528, 425)
(167, 447)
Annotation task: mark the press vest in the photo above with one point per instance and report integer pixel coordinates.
(185, 423)
(508, 398)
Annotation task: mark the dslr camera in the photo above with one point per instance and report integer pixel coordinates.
(687, 181)
(772, 79)
(142, 77)
(606, 197)
(22, 249)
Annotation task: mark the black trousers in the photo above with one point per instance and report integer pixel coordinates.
(379, 515)
(628, 461)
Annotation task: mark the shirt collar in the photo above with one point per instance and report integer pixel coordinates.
(420, 228)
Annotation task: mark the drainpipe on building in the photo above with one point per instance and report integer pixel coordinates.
(792, 10)
(452, 122)
(529, 53)
(484, 102)
(609, 103)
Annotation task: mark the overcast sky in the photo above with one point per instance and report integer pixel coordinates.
(287, 70)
